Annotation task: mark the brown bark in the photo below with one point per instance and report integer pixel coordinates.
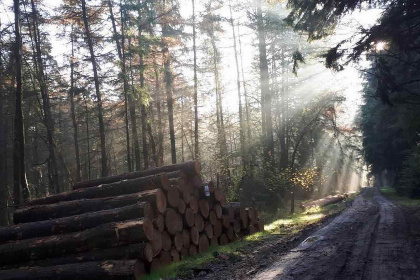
(115, 269)
(104, 160)
(76, 207)
(103, 236)
(106, 190)
(196, 141)
(190, 168)
(75, 223)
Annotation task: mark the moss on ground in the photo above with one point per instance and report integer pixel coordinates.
(285, 225)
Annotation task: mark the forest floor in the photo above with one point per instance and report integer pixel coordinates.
(375, 238)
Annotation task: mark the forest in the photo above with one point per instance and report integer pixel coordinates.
(262, 93)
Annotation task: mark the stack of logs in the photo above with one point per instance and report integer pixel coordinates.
(121, 227)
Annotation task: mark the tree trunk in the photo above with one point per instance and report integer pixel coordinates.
(121, 56)
(107, 190)
(155, 197)
(101, 237)
(115, 270)
(196, 141)
(75, 223)
(238, 85)
(20, 185)
(189, 168)
(104, 161)
(158, 107)
(265, 90)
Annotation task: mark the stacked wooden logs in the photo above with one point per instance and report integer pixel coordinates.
(121, 227)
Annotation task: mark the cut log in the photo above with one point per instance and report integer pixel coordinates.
(260, 225)
(194, 204)
(194, 235)
(214, 241)
(190, 168)
(156, 243)
(115, 269)
(208, 230)
(225, 221)
(76, 207)
(166, 241)
(154, 265)
(252, 229)
(219, 211)
(203, 243)
(223, 239)
(197, 180)
(178, 241)
(252, 215)
(204, 208)
(107, 190)
(173, 221)
(230, 211)
(199, 222)
(172, 195)
(75, 223)
(218, 195)
(189, 217)
(159, 222)
(186, 196)
(101, 237)
(179, 182)
(323, 201)
(217, 228)
(175, 255)
(142, 251)
(236, 226)
(166, 258)
(186, 238)
(181, 206)
(192, 250)
(213, 217)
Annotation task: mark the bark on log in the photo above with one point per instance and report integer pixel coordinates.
(190, 168)
(103, 236)
(173, 221)
(166, 241)
(142, 251)
(112, 269)
(76, 207)
(107, 190)
(75, 223)
(189, 217)
(203, 243)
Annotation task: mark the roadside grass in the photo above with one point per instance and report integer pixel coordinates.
(286, 225)
(392, 194)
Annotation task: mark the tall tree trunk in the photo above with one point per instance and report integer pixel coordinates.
(73, 113)
(104, 160)
(3, 147)
(132, 107)
(159, 112)
(265, 90)
(20, 185)
(169, 94)
(89, 165)
(238, 85)
(143, 112)
(48, 122)
(196, 143)
(121, 56)
(284, 152)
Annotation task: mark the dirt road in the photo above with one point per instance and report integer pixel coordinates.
(370, 240)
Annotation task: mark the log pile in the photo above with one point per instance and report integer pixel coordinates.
(121, 227)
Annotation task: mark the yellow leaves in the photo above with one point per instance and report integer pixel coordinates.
(305, 178)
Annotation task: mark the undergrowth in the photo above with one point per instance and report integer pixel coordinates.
(392, 194)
